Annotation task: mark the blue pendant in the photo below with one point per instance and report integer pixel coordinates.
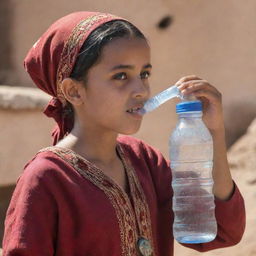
(144, 247)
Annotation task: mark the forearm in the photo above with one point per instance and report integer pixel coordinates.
(223, 183)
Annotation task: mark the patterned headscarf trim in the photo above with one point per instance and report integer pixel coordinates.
(53, 57)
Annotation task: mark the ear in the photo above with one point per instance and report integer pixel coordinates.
(73, 91)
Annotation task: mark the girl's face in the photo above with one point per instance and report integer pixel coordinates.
(117, 86)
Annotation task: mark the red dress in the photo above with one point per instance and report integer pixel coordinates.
(64, 205)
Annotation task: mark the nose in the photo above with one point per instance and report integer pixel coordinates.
(141, 89)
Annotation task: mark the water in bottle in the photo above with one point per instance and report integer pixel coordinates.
(191, 155)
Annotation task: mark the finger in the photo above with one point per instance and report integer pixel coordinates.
(194, 86)
(187, 78)
(191, 83)
(212, 96)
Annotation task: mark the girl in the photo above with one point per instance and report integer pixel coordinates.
(94, 192)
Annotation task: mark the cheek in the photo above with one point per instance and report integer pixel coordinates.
(106, 94)
(106, 103)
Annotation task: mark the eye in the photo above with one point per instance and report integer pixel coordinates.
(120, 76)
(145, 75)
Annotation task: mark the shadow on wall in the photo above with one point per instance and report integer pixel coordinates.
(5, 196)
(6, 66)
(239, 117)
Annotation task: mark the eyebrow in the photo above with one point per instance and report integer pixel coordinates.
(129, 67)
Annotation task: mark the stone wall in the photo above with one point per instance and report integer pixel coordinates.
(5, 196)
(24, 129)
(6, 64)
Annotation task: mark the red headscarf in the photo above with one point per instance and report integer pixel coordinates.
(52, 59)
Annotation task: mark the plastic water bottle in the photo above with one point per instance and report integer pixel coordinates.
(191, 155)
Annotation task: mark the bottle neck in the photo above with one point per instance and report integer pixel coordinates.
(191, 114)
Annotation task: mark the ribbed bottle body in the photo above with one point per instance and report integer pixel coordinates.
(191, 155)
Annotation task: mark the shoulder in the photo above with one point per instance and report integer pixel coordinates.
(44, 166)
(140, 149)
(134, 144)
(42, 161)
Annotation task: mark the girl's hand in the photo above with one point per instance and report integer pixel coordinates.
(210, 97)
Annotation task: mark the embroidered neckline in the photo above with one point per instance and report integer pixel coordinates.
(134, 222)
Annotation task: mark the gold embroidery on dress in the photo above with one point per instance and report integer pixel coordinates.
(140, 204)
(118, 198)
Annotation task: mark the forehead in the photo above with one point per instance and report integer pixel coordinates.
(125, 51)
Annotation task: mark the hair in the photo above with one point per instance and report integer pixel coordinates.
(91, 50)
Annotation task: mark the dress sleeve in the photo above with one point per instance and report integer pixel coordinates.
(31, 216)
(230, 217)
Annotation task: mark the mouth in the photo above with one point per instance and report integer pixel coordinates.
(134, 110)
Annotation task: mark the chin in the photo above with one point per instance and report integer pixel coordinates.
(130, 131)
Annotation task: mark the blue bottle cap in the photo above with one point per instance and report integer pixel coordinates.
(189, 106)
